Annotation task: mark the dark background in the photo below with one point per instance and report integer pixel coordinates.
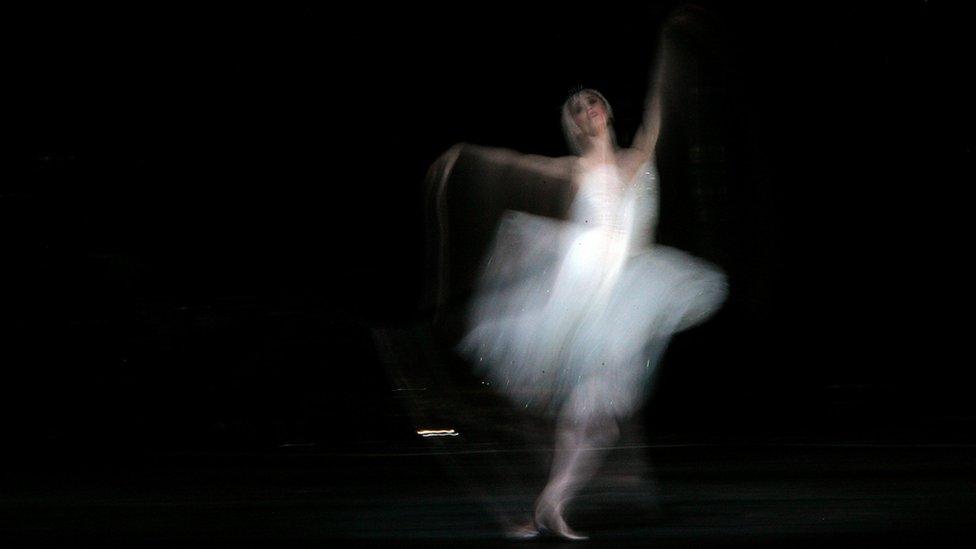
(207, 213)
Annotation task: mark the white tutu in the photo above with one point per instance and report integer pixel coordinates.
(572, 317)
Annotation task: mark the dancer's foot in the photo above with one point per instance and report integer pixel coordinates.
(549, 521)
(524, 531)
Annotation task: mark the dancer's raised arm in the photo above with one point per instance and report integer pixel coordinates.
(645, 141)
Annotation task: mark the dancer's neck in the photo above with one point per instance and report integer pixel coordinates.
(601, 152)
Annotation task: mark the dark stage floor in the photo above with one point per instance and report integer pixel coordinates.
(447, 491)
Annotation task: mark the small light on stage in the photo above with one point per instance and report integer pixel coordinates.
(437, 433)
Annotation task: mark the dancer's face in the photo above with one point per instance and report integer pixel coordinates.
(590, 113)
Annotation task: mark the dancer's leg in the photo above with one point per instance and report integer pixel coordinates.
(582, 437)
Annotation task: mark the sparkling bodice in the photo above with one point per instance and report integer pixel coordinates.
(625, 211)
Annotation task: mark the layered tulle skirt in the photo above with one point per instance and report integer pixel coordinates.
(565, 321)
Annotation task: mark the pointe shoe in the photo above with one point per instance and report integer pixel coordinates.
(551, 523)
(525, 531)
(565, 533)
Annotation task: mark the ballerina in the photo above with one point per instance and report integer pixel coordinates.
(570, 316)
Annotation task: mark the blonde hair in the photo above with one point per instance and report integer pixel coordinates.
(574, 134)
